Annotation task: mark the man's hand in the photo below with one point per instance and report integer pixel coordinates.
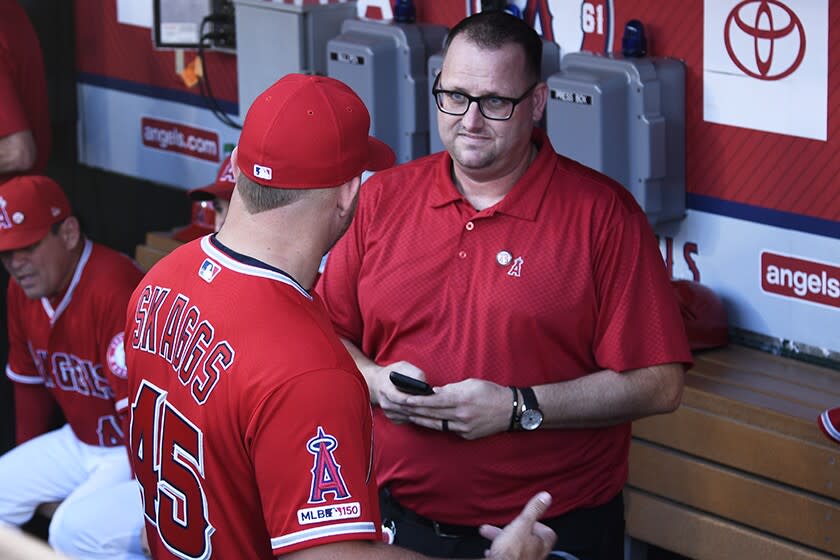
(524, 538)
(472, 408)
(17, 152)
(390, 399)
(17, 545)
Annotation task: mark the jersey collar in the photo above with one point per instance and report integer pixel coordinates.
(243, 264)
(55, 313)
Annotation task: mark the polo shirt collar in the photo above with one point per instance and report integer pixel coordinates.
(524, 199)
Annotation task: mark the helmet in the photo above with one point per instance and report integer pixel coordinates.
(703, 314)
(829, 422)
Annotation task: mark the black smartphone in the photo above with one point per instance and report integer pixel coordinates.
(410, 385)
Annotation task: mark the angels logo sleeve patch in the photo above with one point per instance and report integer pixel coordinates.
(313, 459)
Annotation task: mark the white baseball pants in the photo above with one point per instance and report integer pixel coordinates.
(101, 512)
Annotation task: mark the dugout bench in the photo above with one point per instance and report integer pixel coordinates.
(157, 245)
(741, 469)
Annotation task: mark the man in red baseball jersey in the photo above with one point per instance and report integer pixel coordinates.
(528, 290)
(250, 424)
(218, 193)
(25, 133)
(66, 313)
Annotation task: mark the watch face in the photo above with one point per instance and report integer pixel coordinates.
(531, 419)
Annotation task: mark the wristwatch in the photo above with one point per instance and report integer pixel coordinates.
(531, 417)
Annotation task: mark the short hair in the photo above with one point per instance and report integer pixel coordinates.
(259, 198)
(493, 29)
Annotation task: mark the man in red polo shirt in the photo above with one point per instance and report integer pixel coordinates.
(528, 290)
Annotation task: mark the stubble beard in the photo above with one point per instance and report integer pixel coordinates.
(473, 158)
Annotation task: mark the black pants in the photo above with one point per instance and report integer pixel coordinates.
(584, 534)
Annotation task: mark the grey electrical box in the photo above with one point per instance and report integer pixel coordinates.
(433, 69)
(274, 39)
(550, 65)
(385, 64)
(624, 117)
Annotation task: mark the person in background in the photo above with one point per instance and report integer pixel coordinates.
(218, 193)
(528, 290)
(250, 424)
(66, 309)
(25, 137)
(25, 133)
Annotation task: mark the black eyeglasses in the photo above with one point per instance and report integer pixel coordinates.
(493, 107)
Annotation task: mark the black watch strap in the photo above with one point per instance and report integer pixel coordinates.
(529, 399)
(514, 413)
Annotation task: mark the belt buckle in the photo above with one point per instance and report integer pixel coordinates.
(439, 532)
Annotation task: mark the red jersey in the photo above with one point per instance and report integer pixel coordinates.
(250, 424)
(23, 83)
(561, 278)
(73, 344)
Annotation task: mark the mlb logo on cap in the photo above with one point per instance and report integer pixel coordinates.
(262, 172)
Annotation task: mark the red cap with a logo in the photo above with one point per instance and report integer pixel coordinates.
(221, 188)
(29, 205)
(307, 132)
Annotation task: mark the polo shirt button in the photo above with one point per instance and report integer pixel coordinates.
(470, 226)
(462, 254)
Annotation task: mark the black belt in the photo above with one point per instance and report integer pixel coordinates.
(449, 530)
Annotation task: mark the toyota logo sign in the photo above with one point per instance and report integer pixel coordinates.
(765, 39)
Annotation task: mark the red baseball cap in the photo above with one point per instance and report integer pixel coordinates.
(29, 205)
(307, 132)
(829, 422)
(221, 188)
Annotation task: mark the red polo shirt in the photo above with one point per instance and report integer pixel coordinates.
(561, 278)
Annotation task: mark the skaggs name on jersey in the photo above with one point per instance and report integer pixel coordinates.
(168, 326)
